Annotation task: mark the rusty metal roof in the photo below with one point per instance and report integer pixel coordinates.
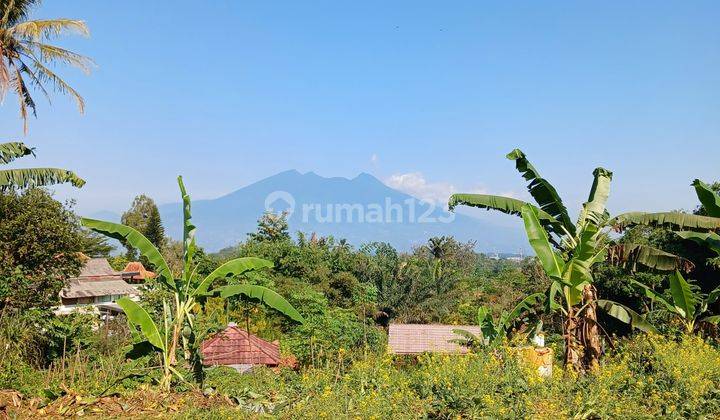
(420, 338)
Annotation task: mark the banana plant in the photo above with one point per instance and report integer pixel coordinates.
(493, 331)
(22, 178)
(685, 302)
(189, 289)
(701, 229)
(567, 252)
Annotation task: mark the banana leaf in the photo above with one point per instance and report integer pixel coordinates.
(189, 246)
(232, 268)
(674, 220)
(506, 205)
(683, 298)
(13, 150)
(137, 240)
(552, 264)
(23, 178)
(542, 191)
(525, 305)
(709, 198)
(709, 239)
(655, 296)
(594, 209)
(626, 315)
(263, 295)
(628, 254)
(139, 318)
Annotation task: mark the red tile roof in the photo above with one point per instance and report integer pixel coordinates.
(234, 346)
(137, 267)
(418, 338)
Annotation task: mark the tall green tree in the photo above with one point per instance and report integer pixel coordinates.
(39, 243)
(137, 217)
(38, 177)
(26, 57)
(567, 252)
(154, 230)
(271, 227)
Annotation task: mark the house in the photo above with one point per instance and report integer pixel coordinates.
(135, 272)
(431, 338)
(96, 288)
(236, 348)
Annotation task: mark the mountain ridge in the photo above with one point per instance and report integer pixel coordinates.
(360, 209)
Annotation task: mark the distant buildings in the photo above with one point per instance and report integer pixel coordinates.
(98, 287)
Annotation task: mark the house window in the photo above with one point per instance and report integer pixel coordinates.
(103, 299)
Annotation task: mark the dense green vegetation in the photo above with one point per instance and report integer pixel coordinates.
(345, 297)
(627, 304)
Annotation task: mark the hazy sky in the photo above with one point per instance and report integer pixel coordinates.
(426, 95)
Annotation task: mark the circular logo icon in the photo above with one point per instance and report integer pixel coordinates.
(280, 201)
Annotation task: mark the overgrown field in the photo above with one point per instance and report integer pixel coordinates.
(646, 376)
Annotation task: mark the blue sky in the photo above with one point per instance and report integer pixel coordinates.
(427, 96)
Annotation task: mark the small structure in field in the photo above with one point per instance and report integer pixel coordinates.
(430, 338)
(236, 348)
(96, 289)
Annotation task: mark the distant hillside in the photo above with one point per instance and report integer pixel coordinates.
(361, 210)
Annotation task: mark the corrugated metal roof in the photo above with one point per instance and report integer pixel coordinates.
(433, 338)
(234, 346)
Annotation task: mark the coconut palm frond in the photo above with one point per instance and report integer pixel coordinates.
(51, 53)
(44, 74)
(46, 29)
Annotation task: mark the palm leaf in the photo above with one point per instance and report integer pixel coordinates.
(632, 254)
(683, 298)
(46, 75)
(13, 150)
(39, 177)
(674, 220)
(551, 263)
(709, 239)
(126, 234)
(139, 318)
(626, 315)
(263, 295)
(542, 191)
(51, 53)
(233, 268)
(47, 28)
(506, 205)
(709, 198)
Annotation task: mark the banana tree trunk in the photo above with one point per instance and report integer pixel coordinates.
(590, 331)
(573, 348)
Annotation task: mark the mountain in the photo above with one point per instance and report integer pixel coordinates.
(361, 210)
